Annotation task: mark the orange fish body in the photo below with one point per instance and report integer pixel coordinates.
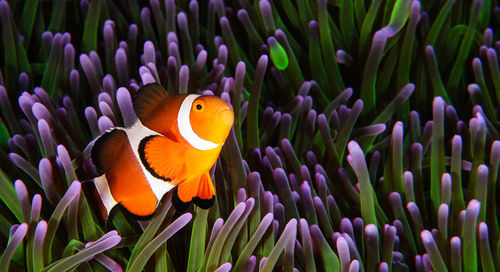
(173, 145)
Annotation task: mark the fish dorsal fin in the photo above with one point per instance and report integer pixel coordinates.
(107, 147)
(148, 99)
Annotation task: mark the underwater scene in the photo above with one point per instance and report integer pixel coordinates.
(249, 135)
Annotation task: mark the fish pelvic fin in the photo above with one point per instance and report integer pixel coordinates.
(205, 197)
(199, 190)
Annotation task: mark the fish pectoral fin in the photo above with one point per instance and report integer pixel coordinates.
(107, 147)
(147, 99)
(199, 190)
(161, 157)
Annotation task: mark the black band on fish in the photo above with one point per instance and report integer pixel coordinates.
(142, 155)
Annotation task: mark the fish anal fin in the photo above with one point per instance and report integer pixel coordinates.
(141, 208)
(148, 99)
(107, 147)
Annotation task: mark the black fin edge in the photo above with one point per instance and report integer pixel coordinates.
(181, 206)
(204, 203)
(96, 204)
(131, 215)
(142, 155)
(98, 144)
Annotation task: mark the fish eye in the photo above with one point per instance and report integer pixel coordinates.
(199, 106)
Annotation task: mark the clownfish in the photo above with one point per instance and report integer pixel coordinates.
(173, 145)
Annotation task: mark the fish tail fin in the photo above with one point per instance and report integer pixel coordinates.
(94, 199)
(101, 194)
(200, 190)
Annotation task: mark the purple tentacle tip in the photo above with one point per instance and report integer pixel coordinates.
(473, 208)
(149, 52)
(344, 256)
(105, 124)
(252, 262)
(124, 100)
(371, 231)
(383, 267)
(36, 206)
(121, 66)
(17, 238)
(446, 188)
(224, 268)
(23, 196)
(354, 266)
(40, 231)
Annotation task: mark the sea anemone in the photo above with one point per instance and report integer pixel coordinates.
(366, 133)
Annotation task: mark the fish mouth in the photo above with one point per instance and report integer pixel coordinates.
(226, 115)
